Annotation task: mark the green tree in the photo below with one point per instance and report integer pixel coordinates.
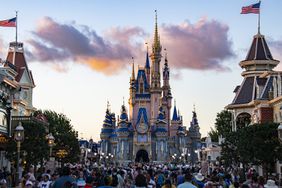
(223, 123)
(257, 144)
(34, 146)
(213, 135)
(66, 138)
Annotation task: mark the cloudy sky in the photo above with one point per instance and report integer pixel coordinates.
(80, 52)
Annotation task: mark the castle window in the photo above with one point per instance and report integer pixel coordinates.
(141, 88)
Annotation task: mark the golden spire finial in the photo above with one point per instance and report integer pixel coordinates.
(156, 44)
(133, 72)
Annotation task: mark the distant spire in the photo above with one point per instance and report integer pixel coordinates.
(133, 72)
(194, 107)
(174, 116)
(147, 65)
(123, 101)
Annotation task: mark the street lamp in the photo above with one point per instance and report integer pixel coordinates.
(280, 132)
(51, 142)
(19, 137)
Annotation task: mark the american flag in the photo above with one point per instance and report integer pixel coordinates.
(254, 8)
(9, 23)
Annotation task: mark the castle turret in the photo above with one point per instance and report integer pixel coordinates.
(167, 97)
(123, 133)
(107, 131)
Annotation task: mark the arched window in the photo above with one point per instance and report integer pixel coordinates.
(243, 120)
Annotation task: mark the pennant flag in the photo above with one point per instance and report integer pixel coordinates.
(254, 8)
(9, 23)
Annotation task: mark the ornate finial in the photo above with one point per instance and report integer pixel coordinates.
(165, 55)
(123, 101)
(108, 105)
(174, 102)
(147, 48)
(194, 107)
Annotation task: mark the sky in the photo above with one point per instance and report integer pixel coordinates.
(80, 52)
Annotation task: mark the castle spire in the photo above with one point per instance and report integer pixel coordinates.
(174, 116)
(157, 44)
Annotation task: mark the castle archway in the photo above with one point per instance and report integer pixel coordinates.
(142, 156)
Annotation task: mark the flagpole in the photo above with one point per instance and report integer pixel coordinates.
(259, 19)
(16, 27)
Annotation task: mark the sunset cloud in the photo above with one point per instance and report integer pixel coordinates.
(55, 42)
(202, 46)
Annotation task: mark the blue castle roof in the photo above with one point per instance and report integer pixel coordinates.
(175, 116)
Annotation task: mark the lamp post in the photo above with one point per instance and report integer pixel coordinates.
(19, 137)
(51, 142)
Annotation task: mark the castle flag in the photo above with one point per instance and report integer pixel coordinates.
(9, 23)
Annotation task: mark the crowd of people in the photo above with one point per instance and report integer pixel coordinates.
(137, 175)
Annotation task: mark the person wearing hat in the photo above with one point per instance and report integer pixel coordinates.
(28, 184)
(199, 180)
(270, 184)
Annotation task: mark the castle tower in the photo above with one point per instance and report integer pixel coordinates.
(123, 133)
(167, 97)
(132, 92)
(107, 131)
(155, 74)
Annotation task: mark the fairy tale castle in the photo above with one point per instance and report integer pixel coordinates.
(147, 132)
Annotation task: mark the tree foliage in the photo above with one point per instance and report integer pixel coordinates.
(223, 123)
(66, 138)
(34, 148)
(213, 135)
(256, 144)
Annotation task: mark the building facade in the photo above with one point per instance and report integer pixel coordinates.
(261, 87)
(146, 132)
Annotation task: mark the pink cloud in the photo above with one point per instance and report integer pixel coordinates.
(203, 45)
